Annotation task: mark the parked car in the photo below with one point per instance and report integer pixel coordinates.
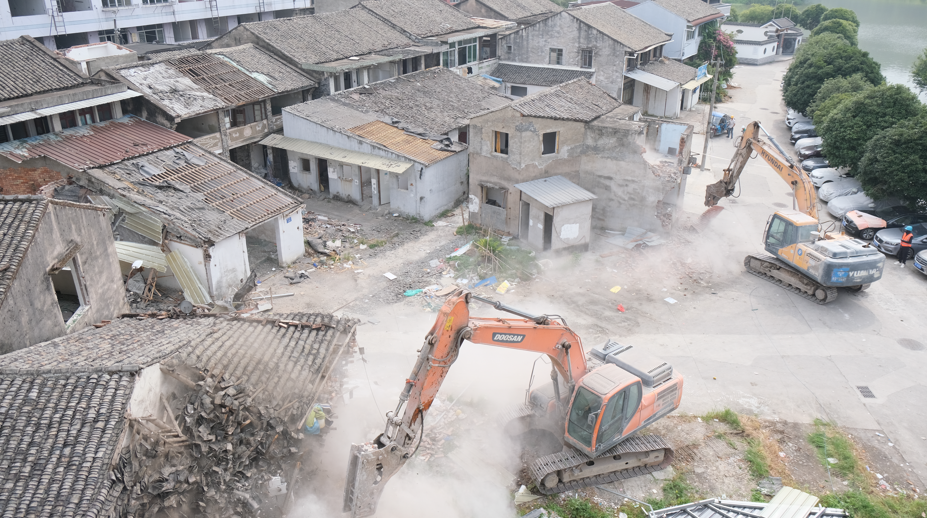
(920, 261)
(888, 240)
(864, 224)
(794, 117)
(803, 130)
(813, 163)
(838, 207)
(841, 187)
(823, 175)
(808, 147)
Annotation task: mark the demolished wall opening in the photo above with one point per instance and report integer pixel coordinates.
(69, 292)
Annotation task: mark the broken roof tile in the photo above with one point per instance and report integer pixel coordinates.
(520, 74)
(266, 68)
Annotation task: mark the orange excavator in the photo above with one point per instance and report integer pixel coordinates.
(594, 406)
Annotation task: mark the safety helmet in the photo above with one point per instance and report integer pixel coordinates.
(909, 228)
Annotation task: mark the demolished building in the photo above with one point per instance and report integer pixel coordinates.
(165, 416)
(58, 270)
(577, 131)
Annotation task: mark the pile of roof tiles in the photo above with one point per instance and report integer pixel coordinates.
(228, 451)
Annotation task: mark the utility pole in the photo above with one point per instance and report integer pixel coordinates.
(711, 110)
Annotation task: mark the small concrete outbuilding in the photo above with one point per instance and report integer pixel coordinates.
(556, 214)
(58, 270)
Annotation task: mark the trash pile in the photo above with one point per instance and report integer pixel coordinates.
(215, 453)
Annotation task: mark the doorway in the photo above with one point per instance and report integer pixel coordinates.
(548, 230)
(323, 175)
(525, 221)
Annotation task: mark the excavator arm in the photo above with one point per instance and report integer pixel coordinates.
(777, 159)
(372, 464)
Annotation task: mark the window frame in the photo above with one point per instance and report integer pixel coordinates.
(498, 147)
(583, 54)
(691, 32)
(556, 150)
(559, 56)
(513, 94)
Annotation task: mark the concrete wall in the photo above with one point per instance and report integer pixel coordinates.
(228, 264)
(755, 54)
(656, 102)
(290, 240)
(532, 44)
(30, 312)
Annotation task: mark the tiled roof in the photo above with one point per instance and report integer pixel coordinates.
(671, 69)
(619, 25)
(421, 18)
(266, 68)
(430, 102)
(191, 84)
(19, 220)
(416, 148)
(536, 75)
(321, 38)
(784, 23)
(624, 4)
(197, 191)
(578, 100)
(26, 69)
(690, 10)
(58, 437)
(520, 9)
(95, 145)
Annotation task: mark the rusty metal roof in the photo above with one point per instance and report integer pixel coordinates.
(95, 145)
(397, 140)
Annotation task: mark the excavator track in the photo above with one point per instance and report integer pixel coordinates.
(829, 293)
(571, 458)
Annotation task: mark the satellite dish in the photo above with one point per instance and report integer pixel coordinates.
(186, 307)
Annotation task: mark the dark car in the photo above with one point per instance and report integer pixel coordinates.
(803, 130)
(888, 217)
(813, 163)
(809, 147)
(888, 240)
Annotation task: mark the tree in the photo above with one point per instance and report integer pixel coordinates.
(811, 17)
(855, 121)
(786, 11)
(840, 13)
(823, 57)
(841, 27)
(756, 14)
(919, 72)
(827, 107)
(716, 44)
(837, 85)
(895, 162)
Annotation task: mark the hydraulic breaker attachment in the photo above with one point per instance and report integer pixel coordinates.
(369, 468)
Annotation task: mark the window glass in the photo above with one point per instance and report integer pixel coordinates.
(4, 137)
(612, 418)
(151, 34)
(776, 234)
(584, 405)
(104, 112)
(68, 120)
(518, 91)
(19, 130)
(586, 58)
(556, 57)
(42, 126)
(306, 163)
(85, 116)
(634, 402)
(501, 142)
(549, 143)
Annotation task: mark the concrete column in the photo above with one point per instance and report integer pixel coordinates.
(289, 235)
(267, 112)
(168, 32)
(224, 132)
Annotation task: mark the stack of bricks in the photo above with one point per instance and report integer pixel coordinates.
(22, 180)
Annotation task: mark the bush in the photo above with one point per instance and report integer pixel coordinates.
(840, 13)
(824, 57)
(844, 28)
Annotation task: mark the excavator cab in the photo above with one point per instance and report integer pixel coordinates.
(786, 229)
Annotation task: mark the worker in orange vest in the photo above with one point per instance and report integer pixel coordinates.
(905, 249)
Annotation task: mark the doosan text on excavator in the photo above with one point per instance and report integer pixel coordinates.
(590, 412)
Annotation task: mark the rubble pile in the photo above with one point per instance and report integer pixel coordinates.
(217, 457)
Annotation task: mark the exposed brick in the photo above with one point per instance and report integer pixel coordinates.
(24, 180)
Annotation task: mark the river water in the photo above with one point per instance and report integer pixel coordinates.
(894, 32)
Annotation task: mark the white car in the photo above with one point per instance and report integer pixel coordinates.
(838, 188)
(824, 175)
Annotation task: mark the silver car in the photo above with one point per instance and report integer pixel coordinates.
(825, 174)
(838, 188)
(920, 262)
(888, 240)
(840, 206)
(794, 117)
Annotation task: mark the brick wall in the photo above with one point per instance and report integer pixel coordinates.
(20, 180)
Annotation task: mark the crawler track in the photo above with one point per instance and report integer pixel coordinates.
(829, 293)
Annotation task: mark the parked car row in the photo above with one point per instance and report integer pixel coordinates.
(881, 221)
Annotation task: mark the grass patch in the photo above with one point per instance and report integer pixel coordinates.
(676, 491)
(467, 230)
(757, 496)
(726, 416)
(833, 443)
(371, 243)
(862, 505)
(756, 459)
(767, 448)
(576, 508)
(446, 214)
(726, 439)
(429, 223)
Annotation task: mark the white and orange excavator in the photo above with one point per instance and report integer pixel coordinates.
(594, 406)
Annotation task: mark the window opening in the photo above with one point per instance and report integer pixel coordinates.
(501, 140)
(247, 114)
(494, 196)
(518, 91)
(586, 406)
(306, 163)
(550, 143)
(586, 58)
(691, 32)
(85, 116)
(68, 120)
(462, 135)
(19, 130)
(104, 112)
(114, 3)
(556, 57)
(627, 92)
(42, 126)
(151, 34)
(69, 292)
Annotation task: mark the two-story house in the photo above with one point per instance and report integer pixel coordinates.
(683, 19)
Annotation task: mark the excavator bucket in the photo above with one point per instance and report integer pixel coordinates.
(368, 470)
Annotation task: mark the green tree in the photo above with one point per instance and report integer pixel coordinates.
(811, 17)
(827, 107)
(850, 126)
(823, 57)
(919, 72)
(835, 86)
(715, 44)
(840, 13)
(786, 11)
(841, 27)
(756, 14)
(895, 162)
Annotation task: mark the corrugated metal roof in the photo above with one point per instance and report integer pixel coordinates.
(788, 503)
(145, 224)
(555, 191)
(95, 145)
(150, 256)
(651, 79)
(393, 138)
(192, 289)
(336, 153)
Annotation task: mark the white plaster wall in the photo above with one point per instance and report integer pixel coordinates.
(194, 257)
(228, 266)
(572, 225)
(442, 185)
(669, 23)
(290, 239)
(658, 103)
(669, 136)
